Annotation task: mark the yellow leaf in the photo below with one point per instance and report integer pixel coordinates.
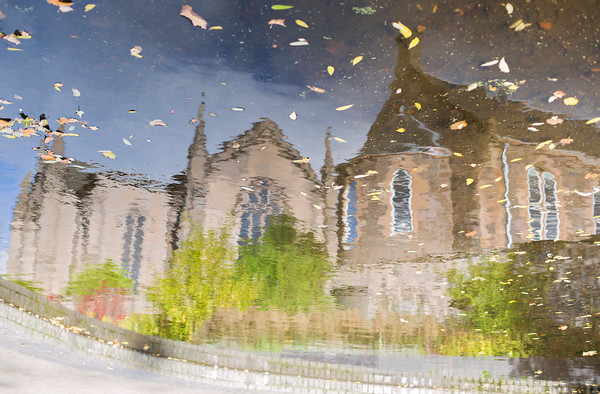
(469, 181)
(89, 7)
(457, 154)
(418, 105)
(401, 130)
(330, 70)
(571, 101)
(517, 159)
(356, 60)
(338, 139)
(301, 23)
(485, 186)
(593, 120)
(413, 43)
(542, 144)
(70, 135)
(405, 31)
(317, 206)
(136, 55)
(14, 49)
(215, 28)
(8, 136)
(108, 154)
(345, 107)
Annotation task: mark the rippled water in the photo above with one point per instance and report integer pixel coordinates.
(452, 210)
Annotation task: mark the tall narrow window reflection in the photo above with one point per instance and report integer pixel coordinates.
(349, 217)
(542, 205)
(259, 205)
(402, 215)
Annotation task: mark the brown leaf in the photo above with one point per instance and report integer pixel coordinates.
(458, 125)
(280, 22)
(545, 25)
(316, 89)
(197, 20)
(60, 3)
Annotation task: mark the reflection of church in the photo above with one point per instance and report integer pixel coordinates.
(408, 195)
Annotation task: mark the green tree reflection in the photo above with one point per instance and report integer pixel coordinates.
(517, 305)
(287, 269)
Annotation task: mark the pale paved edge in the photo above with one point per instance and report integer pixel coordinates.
(30, 365)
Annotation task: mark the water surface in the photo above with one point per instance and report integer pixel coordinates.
(449, 216)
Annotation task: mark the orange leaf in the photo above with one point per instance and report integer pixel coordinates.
(458, 125)
(545, 25)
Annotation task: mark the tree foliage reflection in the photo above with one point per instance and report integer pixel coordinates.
(286, 269)
(522, 304)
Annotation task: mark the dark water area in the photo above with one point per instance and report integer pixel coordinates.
(359, 182)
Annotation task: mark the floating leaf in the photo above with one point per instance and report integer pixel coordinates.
(457, 154)
(14, 49)
(304, 160)
(300, 42)
(344, 107)
(293, 116)
(418, 105)
(281, 7)
(126, 141)
(503, 66)
(554, 120)
(593, 120)
(490, 63)
(545, 25)
(413, 43)
(509, 8)
(542, 144)
(401, 130)
(69, 135)
(356, 60)
(131, 111)
(405, 31)
(157, 122)
(472, 86)
(215, 28)
(570, 101)
(330, 70)
(238, 109)
(197, 20)
(89, 7)
(280, 22)
(485, 186)
(301, 23)
(108, 154)
(76, 92)
(317, 206)
(458, 125)
(469, 181)
(338, 139)
(135, 51)
(57, 85)
(316, 89)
